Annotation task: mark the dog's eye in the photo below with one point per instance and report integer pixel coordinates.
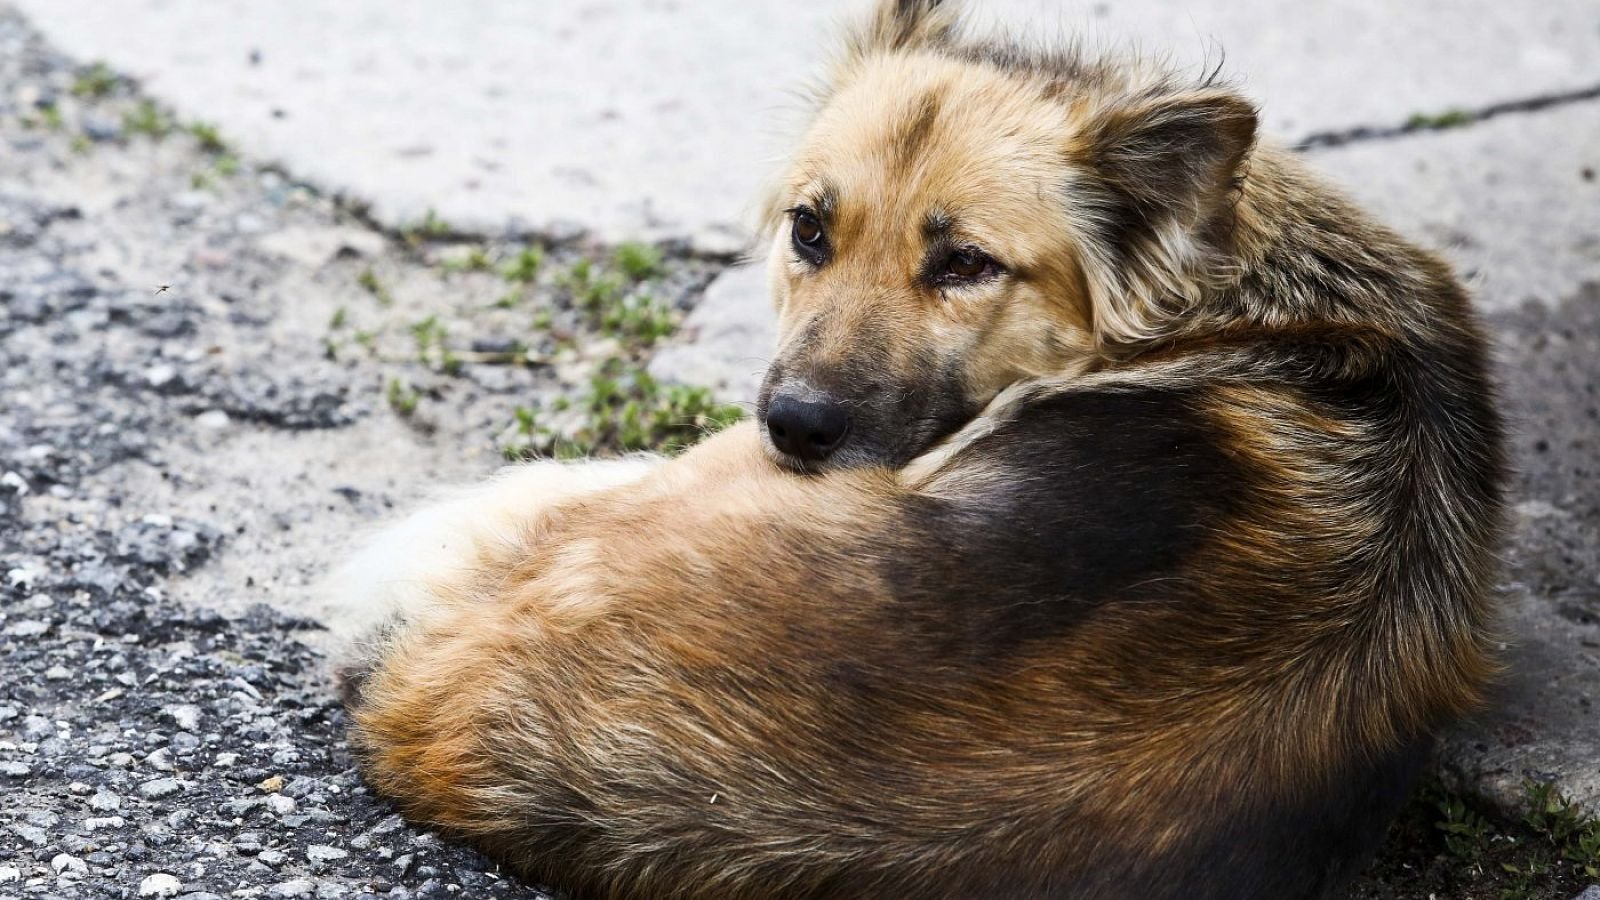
(966, 265)
(807, 230)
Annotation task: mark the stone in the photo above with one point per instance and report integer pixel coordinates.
(727, 341)
(160, 884)
(322, 853)
(160, 787)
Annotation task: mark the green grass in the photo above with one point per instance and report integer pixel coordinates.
(1448, 844)
(625, 410)
(524, 268)
(475, 260)
(1450, 118)
(369, 282)
(432, 350)
(640, 318)
(207, 136)
(148, 119)
(432, 227)
(94, 82)
(403, 399)
(638, 261)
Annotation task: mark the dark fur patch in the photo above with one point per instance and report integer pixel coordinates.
(1093, 493)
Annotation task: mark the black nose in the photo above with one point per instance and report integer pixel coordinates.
(807, 429)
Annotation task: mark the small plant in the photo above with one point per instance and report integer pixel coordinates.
(94, 82)
(1563, 824)
(50, 115)
(146, 118)
(340, 316)
(475, 260)
(206, 135)
(432, 227)
(524, 268)
(369, 282)
(638, 261)
(1450, 118)
(227, 164)
(623, 410)
(431, 348)
(1466, 833)
(402, 398)
(640, 317)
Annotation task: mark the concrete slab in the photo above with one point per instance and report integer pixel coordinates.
(726, 342)
(1514, 201)
(1543, 723)
(660, 118)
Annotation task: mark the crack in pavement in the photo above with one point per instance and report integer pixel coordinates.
(1452, 119)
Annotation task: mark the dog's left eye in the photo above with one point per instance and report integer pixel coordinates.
(966, 265)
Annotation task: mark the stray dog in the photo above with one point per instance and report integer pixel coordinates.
(1118, 522)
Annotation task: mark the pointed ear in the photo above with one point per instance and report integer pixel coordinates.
(904, 25)
(1173, 159)
(1164, 171)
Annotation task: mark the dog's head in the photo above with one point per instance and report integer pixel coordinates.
(959, 217)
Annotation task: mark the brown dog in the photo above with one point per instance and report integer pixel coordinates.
(1132, 532)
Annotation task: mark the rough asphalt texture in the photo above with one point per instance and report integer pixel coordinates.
(177, 467)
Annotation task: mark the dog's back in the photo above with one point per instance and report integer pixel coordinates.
(1177, 622)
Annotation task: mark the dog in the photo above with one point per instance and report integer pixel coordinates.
(1118, 521)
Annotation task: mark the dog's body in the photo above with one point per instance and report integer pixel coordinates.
(1173, 612)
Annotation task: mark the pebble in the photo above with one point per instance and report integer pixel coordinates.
(103, 822)
(322, 853)
(10, 873)
(280, 804)
(67, 864)
(105, 801)
(160, 787)
(297, 887)
(160, 885)
(15, 769)
(272, 857)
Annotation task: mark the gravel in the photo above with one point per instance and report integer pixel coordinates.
(167, 463)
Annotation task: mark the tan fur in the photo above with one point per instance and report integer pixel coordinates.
(715, 677)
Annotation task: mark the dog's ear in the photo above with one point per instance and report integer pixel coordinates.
(904, 25)
(1164, 171)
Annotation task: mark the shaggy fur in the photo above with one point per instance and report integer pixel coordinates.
(1161, 545)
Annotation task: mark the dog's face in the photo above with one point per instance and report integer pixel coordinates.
(953, 224)
(919, 265)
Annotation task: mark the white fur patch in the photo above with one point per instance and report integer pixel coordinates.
(391, 578)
